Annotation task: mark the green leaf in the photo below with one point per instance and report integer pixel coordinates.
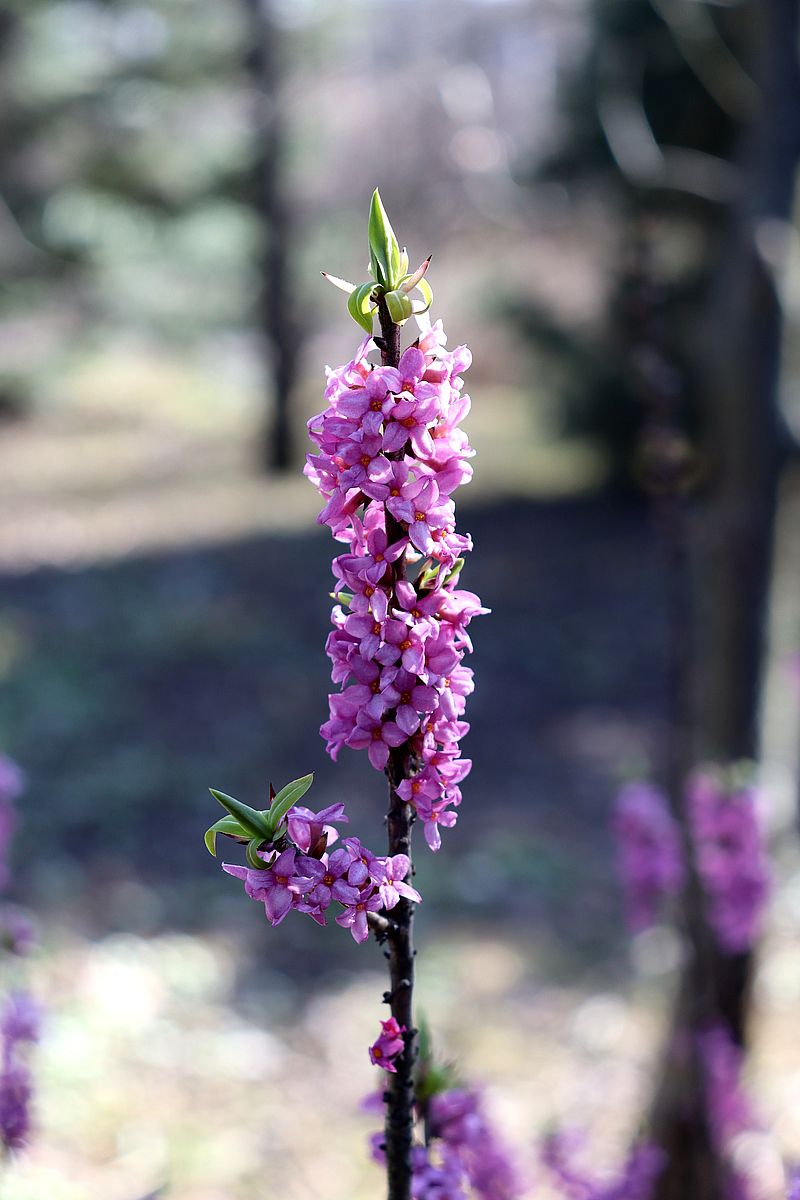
(458, 567)
(399, 307)
(287, 797)
(383, 248)
(341, 284)
(360, 306)
(252, 857)
(227, 825)
(342, 597)
(254, 823)
(427, 295)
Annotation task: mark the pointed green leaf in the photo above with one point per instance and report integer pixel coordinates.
(287, 797)
(252, 821)
(383, 247)
(399, 307)
(360, 307)
(341, 284)
(228, 825)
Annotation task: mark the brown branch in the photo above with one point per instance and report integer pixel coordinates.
(399, 934)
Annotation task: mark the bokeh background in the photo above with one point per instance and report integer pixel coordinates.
(175, 174)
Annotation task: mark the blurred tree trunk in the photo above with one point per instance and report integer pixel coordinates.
(278, 325)
(733, 551)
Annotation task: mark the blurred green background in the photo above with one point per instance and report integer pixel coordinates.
(175, 174)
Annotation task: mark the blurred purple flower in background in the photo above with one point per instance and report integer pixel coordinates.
(730, 856)
(649, 858)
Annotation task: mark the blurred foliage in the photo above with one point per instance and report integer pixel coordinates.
(651, 121)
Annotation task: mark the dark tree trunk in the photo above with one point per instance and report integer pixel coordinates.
(278, 324)
(732, 558)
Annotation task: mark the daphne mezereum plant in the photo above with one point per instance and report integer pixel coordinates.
(390, 455)
(19, 1015)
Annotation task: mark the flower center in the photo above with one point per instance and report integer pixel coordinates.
(419, 516)
(405, 644)
(328, 879)
(408, 423)
(376, 627)
(282, 880)
(377, 1052)
(376, 734)
(405, 698)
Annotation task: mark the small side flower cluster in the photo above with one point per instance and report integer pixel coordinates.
(636, 1181)
(391, 454)
(298, 873)
(389, 1044)
(19, 1028)
(728, 849)
(650, 862)
(20, 1020)
(731, 860)
(730, 1112)
(463, 1157)
(12, 785)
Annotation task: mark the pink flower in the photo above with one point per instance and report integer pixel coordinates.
(388, 1046)
(649, 854)
(354, 916)
(392, 886)
(377, 736)
(278, 887)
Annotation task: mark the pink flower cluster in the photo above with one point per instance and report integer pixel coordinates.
(649, 857)
(730, 1112)
(730, 856)
(300, 874)
(463, 1156)
(729, 1108)
(636, 1181)
(389, 1044)
(728, 849)
(391, 454)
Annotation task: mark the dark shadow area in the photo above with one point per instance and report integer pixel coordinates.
(131, 688)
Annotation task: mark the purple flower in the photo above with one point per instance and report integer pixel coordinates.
(729, 1110)
(730, 856)
(377, 736)
(392, 437)
(649, 857)
(307, 828)
(278, 886)
(392, 886)
(354, 916)
(20, 1022)
(328, 882)
(15, 1101)
(388, 1046)
(364, 865)
(636, 1181)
